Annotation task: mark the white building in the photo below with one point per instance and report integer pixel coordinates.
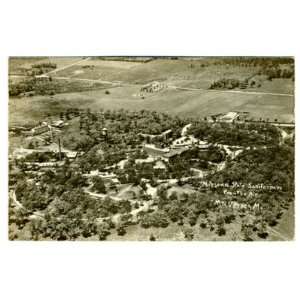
(151, 87)
(229, 117)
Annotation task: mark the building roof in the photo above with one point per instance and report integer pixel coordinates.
(159, 165)
(174, 152)
(230, 116)
(166, 132)
(153, 147)
(145, 160)
(71, 154)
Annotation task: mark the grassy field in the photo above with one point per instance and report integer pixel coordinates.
(176, 102)
(158, 69)
(15, 63)
(182, 72)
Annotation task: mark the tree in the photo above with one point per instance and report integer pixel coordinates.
(188, 233)
(221, 230)
(35, 227)
(192, 218)
(247, 230)
(103, 231)
(262, 230)
(30, 145)
(21, 218)
(121, 229)
(98, 185)
(152, 237)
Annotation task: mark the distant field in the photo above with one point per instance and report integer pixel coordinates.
(195, 73)
(17, 63)
(182, 72)
(186, 103)
(159, 69)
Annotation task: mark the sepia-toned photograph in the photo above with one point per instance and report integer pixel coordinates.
(156, 148)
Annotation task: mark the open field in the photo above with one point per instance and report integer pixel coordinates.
(16, 63)
(187, 103)
(188, 73)
(183, 72)
(158, 69)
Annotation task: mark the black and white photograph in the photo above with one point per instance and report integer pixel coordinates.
(151, 148)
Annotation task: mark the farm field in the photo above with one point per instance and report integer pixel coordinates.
(176, 72)
(186, 73)
(26, 62)
(187, 103)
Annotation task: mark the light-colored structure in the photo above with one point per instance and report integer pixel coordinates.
(159, 165)
(154, 151)
(58, 123)
(40, 129)
(229, 117)
(151, 87)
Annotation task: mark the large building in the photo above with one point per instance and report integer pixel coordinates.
(151, 87)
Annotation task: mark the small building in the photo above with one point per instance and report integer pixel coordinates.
(115, 181)
(229, 117)
(203, 146)
(185, 141)
(147, 160)
(71, 155)
(104, 131)
(40, 129)
(58, 124)
(199, 173)
(160, 166)
(44, 164)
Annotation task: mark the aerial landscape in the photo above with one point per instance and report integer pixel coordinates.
(151, 148)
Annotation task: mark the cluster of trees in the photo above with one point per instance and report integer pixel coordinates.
(228, 83)
(47, 65)
(244, 61)
(122, 134)
(123, 121)
(72, 214)
(213, 154)
(39, 69)
(31, 196)
(237, 134)
(272, 67)
(41, 156)
(50, 86)
(154, 219)
(272, 166)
